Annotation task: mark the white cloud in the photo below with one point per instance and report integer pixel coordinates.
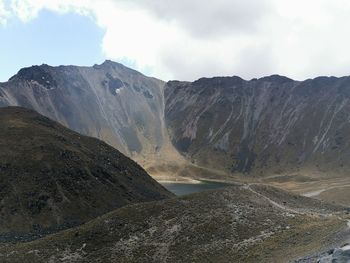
(210, 18)
(187, 39)
(4, 13)
(27, 10)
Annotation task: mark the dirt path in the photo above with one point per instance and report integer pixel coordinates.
(283, 207)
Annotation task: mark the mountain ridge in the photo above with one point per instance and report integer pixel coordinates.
(162, 125)
(238, 120)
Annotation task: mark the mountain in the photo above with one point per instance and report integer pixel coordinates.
(53, 178)
(268, 126)
(109, 101)
(210, 128)
(242, 223)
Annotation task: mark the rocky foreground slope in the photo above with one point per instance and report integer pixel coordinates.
(272, 125)
(53, 178)
(242, 223)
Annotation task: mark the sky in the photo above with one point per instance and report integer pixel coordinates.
(182, 39)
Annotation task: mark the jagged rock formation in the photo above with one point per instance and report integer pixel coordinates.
(243, 223)
(109, 101)
(53, 178)
(272, 125)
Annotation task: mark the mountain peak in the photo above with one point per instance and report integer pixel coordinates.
(108, 64)
(40, 74)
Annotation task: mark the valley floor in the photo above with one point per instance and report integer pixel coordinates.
(334, 190)
(330, 188)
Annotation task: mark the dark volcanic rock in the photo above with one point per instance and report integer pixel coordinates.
(272, 125)
(52, 178)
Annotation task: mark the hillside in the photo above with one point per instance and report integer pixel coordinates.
(109, 101)
(242, 223)
(53, 178)
(263, 127)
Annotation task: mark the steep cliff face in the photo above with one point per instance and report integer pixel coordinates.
(108, 101)
(272, 125)
(52, 178)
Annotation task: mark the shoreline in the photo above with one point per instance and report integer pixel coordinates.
(195, 181)
(192, 181)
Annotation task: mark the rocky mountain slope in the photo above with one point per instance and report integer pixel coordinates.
(242, 223)
(266, 126)
(53, 178)
(221, 126)
(109, 101)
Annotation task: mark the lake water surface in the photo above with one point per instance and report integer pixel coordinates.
(181, 189)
